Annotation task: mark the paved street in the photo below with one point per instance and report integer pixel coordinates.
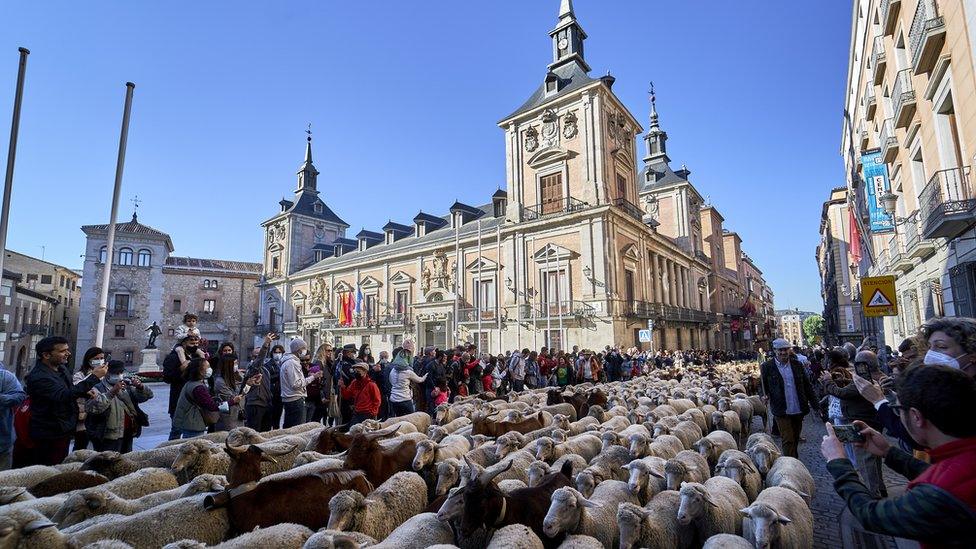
(159, 423)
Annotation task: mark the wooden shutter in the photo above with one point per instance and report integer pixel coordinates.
(552, 193)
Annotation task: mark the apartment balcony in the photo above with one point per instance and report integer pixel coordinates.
(396, 319)
(629, 208)
(888, 142)
(903, 98)
(882, 264)
(878, 60)
(869, 102)
(556, 310)
(947, 204)
(35, 329)
(889, 15)
(926, 36)
(560, 206)
(897, 257)
(473, 315)
(915, 245)
(863, 135)
(208, 316)
(662, 311)
(121, 314)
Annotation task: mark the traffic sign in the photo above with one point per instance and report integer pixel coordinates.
(878, 296)
(650, 324)
(644, 336)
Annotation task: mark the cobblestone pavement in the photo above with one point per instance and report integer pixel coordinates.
(159, 423)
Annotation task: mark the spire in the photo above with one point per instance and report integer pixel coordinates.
(567, 39)
(307, 174)
(656, 138)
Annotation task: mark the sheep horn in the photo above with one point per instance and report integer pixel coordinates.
(392, 430)
(36, 525)
(486, 477)
(281, 450)
(234, 450)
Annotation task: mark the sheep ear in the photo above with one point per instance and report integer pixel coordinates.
(708, 499)
(746, 511)
(655, 474)
(804, 495)
(782, 519)
(36, 525)
(590, 504)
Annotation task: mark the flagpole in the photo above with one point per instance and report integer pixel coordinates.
(477, 289)
(457, 272)
(110, 255)
(498, 283)
(8, 181)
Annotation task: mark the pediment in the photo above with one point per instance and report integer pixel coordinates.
(276, 247)
(630, 252)
(482, 264)
(401, 278)
(622, 154)
(298, 295)
(552, 253)
(369, 283)
(549, 156)
(343, 287)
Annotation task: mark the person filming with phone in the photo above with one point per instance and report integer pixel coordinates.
(938, 508)
(855, 407)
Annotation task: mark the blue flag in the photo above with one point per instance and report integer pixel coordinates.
(359, 300)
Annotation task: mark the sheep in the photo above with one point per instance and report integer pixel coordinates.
(418, 532)
(420, 420)
(758, 409)
(789, 472)
(608, 465)
(279, 535)
(438, 432)
(755, 438)
(46, 506)
(14, 494)
(609, 438)
(654, 526)
(686, 431)
(514, 466)
(712, 507)
(402, 496)
(27, 476)
(88, 503)
(114, 464)
(662, 411)
(304, 458)
(79, 456)
(28, 528)
(727, 541)
(737, 466)
(508, 443)
(430, 452)
(763, 454)
(727, 421)
(330, 539)
(580, 542)
(680, 405)
(779, 518)
(448, 475)
(713, 444)
(615, 423)
(645, 477)
(696, 415)
(572, 513)
(538, 469)
(315, 467)
(515, 536)
(664, 446)
(581, 425)
(585, 445)
(67, 482)
(563, 408)
(484, 455)
(742, 407)
(401, 427)
(687, 466)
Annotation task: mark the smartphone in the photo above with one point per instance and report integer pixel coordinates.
(848, 434)
(861, 369)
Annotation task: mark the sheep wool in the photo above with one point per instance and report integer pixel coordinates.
(788, 472)
(654, 526)
(402, 496)
(515, 536)
(727, 541)
(332, 539)
(419, 532)
(157, 526)
(764, 526)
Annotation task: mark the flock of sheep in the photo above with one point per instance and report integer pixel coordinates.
(650, 462)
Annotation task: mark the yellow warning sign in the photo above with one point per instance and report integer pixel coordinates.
(878, 296)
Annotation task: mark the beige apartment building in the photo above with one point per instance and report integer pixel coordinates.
(911, 112)
(581, 248)
(842, 316)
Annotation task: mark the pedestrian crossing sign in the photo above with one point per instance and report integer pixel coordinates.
(878, 296)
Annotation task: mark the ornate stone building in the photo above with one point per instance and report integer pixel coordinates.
(581, 248)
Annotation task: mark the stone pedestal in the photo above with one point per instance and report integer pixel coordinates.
(150, 362)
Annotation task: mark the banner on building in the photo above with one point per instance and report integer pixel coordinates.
(876, 184)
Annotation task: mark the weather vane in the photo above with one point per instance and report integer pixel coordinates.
(135, 204)
(652, 91)
(309, 131)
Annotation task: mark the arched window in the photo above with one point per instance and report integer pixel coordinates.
(206, 283)
(145, 258)
(125, 256)
(103, 254)
(213, 284)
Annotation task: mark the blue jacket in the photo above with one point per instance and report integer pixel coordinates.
(11, 395)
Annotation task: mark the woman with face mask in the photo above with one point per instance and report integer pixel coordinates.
(952, 343)
(113, 409)
(93, 357)
(194, 400)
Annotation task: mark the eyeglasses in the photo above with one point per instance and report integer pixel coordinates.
(897, 408)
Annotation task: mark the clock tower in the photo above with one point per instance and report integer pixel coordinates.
(567, 39)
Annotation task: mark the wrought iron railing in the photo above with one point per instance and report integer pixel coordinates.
(36, 329)
(895, 248)
(473, 314)
(886, 137)
(947, 192)
(557, 309)
(662, 311)
(877, 52)
(912, 231)
(548, 208)
(629, 207)
(926, 18)
(902, 92)
(210, 316)
(868, 99)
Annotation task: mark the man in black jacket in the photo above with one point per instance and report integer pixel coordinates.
(54, 407)
(788, 393)
(174, 365)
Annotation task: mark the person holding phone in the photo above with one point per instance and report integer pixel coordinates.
(855, 407)
(938, 507)
(259, 398)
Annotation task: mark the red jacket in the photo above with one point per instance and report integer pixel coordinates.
(952, 470)
(365, 395)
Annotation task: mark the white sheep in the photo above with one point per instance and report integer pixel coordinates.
(789, 472)
(646, 477)
(582, 425)
(572, 513)
(515, 536)
(84, 504)
(739, 467)
(27, 476)
(727, 541)
(615, 423)
(654, 526)
(519, 469)
(438, 432)
(419, 532)
(48, 506)
(580, 542)
(430, 452)
(742, 407)
(712, 507)
(280, 535)
(755, 438)
(664, 446)
(606, 466)
(713, 444)
(14, 494)
(727, 421)
(778, 519)
(687, 466)
(402, 496)
(312, 468)
(696, 415)
(687, 431)
(764, 454)
(586, 445)
(331, 539)
(510, 442)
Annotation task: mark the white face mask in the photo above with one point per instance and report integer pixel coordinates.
(208, 373)
(935, 358)
(97, 362)
(277, 356)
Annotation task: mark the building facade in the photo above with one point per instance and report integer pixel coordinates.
(25, 317)
(908, 142)
(581, 248)
(790, 324)
(53, 280)
(148, 284)
(842, 311)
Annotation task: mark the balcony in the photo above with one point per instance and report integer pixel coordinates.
(926, 36)
(863, 135)
(208, 316)
(556, 310)
(903, 98)
(897, 258)
(882, 264)
(947, 204)
(629, 208)
(888, 142)
(878, 61)
(396, 319)
(661, 311)
(290, 327)
(473, 315)
(889, 15)
(868, 102)
(560, 206)
(121, 314)
(915, 245)
(35, 329)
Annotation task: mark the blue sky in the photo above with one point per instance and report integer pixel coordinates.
(403, 98)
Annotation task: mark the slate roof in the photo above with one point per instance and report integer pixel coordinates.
(130, 227)
(661, 176)
(216, 265)
(571, 78)
(305, 205)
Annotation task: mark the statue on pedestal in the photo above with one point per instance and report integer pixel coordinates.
(154, 331)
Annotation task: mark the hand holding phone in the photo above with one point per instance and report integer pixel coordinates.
(848, 434)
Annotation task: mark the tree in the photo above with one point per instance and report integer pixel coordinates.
(813, 329)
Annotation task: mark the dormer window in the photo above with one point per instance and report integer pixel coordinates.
(338, 250)
(552, 83)
(362, 244)
(420, 229)
(317, 207)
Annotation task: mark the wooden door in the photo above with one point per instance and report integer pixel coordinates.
(551, 189)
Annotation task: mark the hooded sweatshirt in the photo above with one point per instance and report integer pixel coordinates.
(293, 381)
(400, 377)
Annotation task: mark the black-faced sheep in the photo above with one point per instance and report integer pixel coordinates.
(572, 513)
(402, 496)
(712, 508)
(778, 519)
(687, 466)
